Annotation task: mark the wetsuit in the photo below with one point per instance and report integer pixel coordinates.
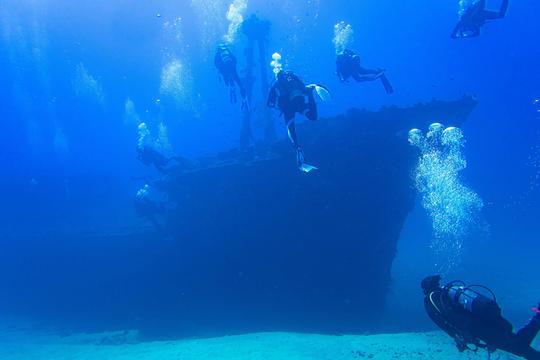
(475, 17)
(150, 156)
(483, 328)
(348, 65)
(289, 94)
(225, 62)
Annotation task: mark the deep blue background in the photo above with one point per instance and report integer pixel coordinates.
(123, 45)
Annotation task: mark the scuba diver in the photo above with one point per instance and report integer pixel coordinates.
(474, 17)
(475, 321)
(290, 95)
(148, 208)
(150, 156)
(348, 65)
(225, 62)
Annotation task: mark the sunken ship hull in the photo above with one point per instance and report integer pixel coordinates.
(267, 244)
(252, 244)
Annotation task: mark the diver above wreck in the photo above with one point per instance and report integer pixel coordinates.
(348, 65)
(226, 62)
(290, 95)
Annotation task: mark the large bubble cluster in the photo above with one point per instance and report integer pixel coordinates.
(86, 86)
(464, 5)
(160, 143)
(235, 16)
(144, 136)
(210, 15)
(131, 116)
(276, 64)
(343, 36)
(452, 206)
(176, 83)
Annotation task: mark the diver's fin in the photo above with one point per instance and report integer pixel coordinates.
(321, 91)
(302, 166)
(387, 86)
(307, 168)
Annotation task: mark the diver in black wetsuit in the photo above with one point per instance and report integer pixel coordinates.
(150, 156)
(290, 95)
(475, 320)
(348, 65)
(474, 17)
(148, 208)
(225, 62)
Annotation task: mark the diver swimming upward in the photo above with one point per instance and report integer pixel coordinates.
(473, 17)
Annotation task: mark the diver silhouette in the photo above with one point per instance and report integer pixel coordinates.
(474, 320)
(291, 96)
(348, 65)
(474, 17)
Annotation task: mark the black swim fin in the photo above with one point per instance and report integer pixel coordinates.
(387, 86)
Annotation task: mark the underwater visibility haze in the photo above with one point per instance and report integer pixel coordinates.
(199, 168)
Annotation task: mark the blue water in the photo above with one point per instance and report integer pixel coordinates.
(78, 77)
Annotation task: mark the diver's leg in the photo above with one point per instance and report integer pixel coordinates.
(367, 75)
(386, 83)
(291, 130)
(232, 94)
(494, 15)
(504, 8)
(358, 78)
(161, 169)
(311, 113)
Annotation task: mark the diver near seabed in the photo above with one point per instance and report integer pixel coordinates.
(473, 17)
(226, 62)
(348, 65)
(290, 95)
(475, 321)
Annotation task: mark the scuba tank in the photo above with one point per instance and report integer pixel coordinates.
(292, 86)
(465, 297)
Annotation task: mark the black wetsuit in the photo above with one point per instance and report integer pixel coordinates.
(225, 62)
(348, 65)
(482, 329)
(150, 210)
(150, 156)
(475, 17)
(288, 94)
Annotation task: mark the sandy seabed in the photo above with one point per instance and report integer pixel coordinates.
(257, 346)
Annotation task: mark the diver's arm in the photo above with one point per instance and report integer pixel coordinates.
(456, 33)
